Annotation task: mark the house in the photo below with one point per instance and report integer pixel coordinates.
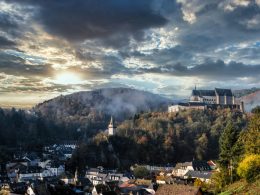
(33, 173)
(32, 158)
(202, 175)
(212, 165)
(55, 167)
(154, 168)
(44, 164)
(133, 188)
(97, 176)
(67, 178)
(182, 168)
(13, 168)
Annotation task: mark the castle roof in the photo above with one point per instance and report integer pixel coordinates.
(192, 104)
(217, 91)
(222, 92)
(196, 92)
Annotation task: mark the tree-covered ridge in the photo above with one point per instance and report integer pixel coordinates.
(97, 106)
(188, 134)
(161, 138)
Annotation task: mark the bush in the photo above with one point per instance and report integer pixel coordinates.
(141, 172)
(249, 167)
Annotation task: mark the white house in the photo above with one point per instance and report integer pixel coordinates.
(202, 175)
(182, 168)
(98, 177)
(55, 167)
(33, 173)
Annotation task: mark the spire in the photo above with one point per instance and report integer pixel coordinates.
(76, 175)
(111, 128)
(195, 87)
(111, 121)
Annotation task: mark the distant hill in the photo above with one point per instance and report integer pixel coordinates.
(243, 92)
(251, 100)
(98, 105)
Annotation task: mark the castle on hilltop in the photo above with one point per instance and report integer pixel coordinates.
(203, 99)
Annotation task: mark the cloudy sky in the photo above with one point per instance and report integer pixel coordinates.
(57, 47)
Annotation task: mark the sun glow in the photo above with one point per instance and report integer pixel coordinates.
(68, 78)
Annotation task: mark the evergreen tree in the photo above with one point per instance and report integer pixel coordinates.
(228, 144)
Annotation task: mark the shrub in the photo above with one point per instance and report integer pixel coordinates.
(141, 172)
(249, 167)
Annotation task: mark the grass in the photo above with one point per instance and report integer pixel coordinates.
(242, 187)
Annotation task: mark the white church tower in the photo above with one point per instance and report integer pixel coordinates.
(111, 127)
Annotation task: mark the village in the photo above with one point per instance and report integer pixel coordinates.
(48, 174)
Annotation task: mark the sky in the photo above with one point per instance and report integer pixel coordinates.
(48, 47)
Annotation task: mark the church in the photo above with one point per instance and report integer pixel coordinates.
(203, 99)
(111, 127)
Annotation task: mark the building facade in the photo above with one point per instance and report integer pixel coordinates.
(203, 99)
(216, 96)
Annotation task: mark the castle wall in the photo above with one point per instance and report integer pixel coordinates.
(209, 99)
(221, 100)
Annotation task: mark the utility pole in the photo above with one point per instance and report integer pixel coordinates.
(231, 170)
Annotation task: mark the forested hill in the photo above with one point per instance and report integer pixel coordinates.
(159, 138)
(98, 105)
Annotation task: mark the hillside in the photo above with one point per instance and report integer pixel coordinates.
(97, 106)
(242, 187)
(244, 92)
(160, 138)
(251, 100)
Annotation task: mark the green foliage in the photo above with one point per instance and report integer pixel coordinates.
(249, 167)
(140, 172)
(229, 145)
(250, 137)
(219, 180)
(256, 110)
(29, 132)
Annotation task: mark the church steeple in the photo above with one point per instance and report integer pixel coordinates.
(111, 128)
(111, 121)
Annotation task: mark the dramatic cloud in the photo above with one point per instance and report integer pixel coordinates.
(5, 43)
(163, 46)
(210, 70)
(86, 19)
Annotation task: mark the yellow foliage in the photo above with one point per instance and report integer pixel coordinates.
(198, 183)
(4, 192)
(249, 167)
(160, 177)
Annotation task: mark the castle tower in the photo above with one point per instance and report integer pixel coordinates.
(111, 127)
(242, 108)
(225, 99)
